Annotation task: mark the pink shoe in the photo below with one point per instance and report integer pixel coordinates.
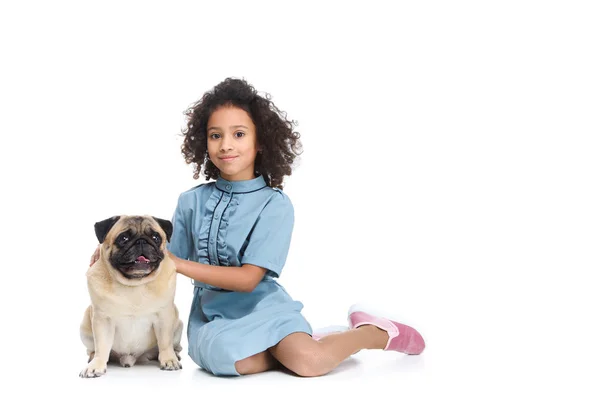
(403, 338)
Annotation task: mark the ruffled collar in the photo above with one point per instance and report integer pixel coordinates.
(250, 185)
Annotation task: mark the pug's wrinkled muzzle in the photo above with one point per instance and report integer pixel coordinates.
(140, 260)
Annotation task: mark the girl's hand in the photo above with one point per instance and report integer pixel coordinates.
(95, 256)
(172, 257)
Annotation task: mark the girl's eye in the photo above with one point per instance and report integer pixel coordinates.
(215, 136)
(239, 134)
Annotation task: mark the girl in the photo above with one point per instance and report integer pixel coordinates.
(231, 237)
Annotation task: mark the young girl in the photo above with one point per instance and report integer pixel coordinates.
(231, 237)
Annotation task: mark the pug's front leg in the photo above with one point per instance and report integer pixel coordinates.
(163, 328)
(103, 329)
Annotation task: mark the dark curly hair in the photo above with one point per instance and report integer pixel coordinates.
(276, 138)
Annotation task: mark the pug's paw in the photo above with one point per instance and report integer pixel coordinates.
(94, 369)
(169, 362)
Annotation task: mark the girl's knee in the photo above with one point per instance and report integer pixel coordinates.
(246, 366)
(310, 363)
(257, 363)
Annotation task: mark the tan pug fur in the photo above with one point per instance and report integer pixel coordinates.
(131, 318)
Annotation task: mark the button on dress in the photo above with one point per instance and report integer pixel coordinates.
(231, 223)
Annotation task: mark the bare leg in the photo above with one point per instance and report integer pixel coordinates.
(305, 356)
(263, 361)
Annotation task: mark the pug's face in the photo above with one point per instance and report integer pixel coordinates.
(134, 245)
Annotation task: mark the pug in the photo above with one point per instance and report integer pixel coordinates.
(132, 315)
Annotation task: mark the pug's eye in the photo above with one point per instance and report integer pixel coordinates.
(124, 238)
(156, 237)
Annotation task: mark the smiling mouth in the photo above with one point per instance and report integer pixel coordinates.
(141, 264)
(228, 158)
(137, 270)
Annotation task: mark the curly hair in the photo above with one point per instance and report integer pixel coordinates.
(279, 143)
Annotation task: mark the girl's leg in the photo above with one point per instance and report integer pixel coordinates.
(260, 362)
(305, 356)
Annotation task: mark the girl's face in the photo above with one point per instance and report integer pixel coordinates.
(232, 143)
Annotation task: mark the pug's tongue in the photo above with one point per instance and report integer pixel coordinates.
(142, 259)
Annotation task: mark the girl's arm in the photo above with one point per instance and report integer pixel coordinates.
(237, 279)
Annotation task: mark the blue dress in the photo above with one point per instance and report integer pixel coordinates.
(231, 223)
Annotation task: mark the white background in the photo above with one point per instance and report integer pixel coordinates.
(449, 177)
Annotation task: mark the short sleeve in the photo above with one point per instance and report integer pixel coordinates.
(181, 238)
(270, 239)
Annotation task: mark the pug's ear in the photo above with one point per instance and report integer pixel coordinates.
(102, 227)
(166, 226)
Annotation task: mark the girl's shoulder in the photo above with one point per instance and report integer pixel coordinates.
(278, 199)
(199, 188)
(191, 195)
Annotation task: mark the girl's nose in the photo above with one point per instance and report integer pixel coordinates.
(226, 144)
